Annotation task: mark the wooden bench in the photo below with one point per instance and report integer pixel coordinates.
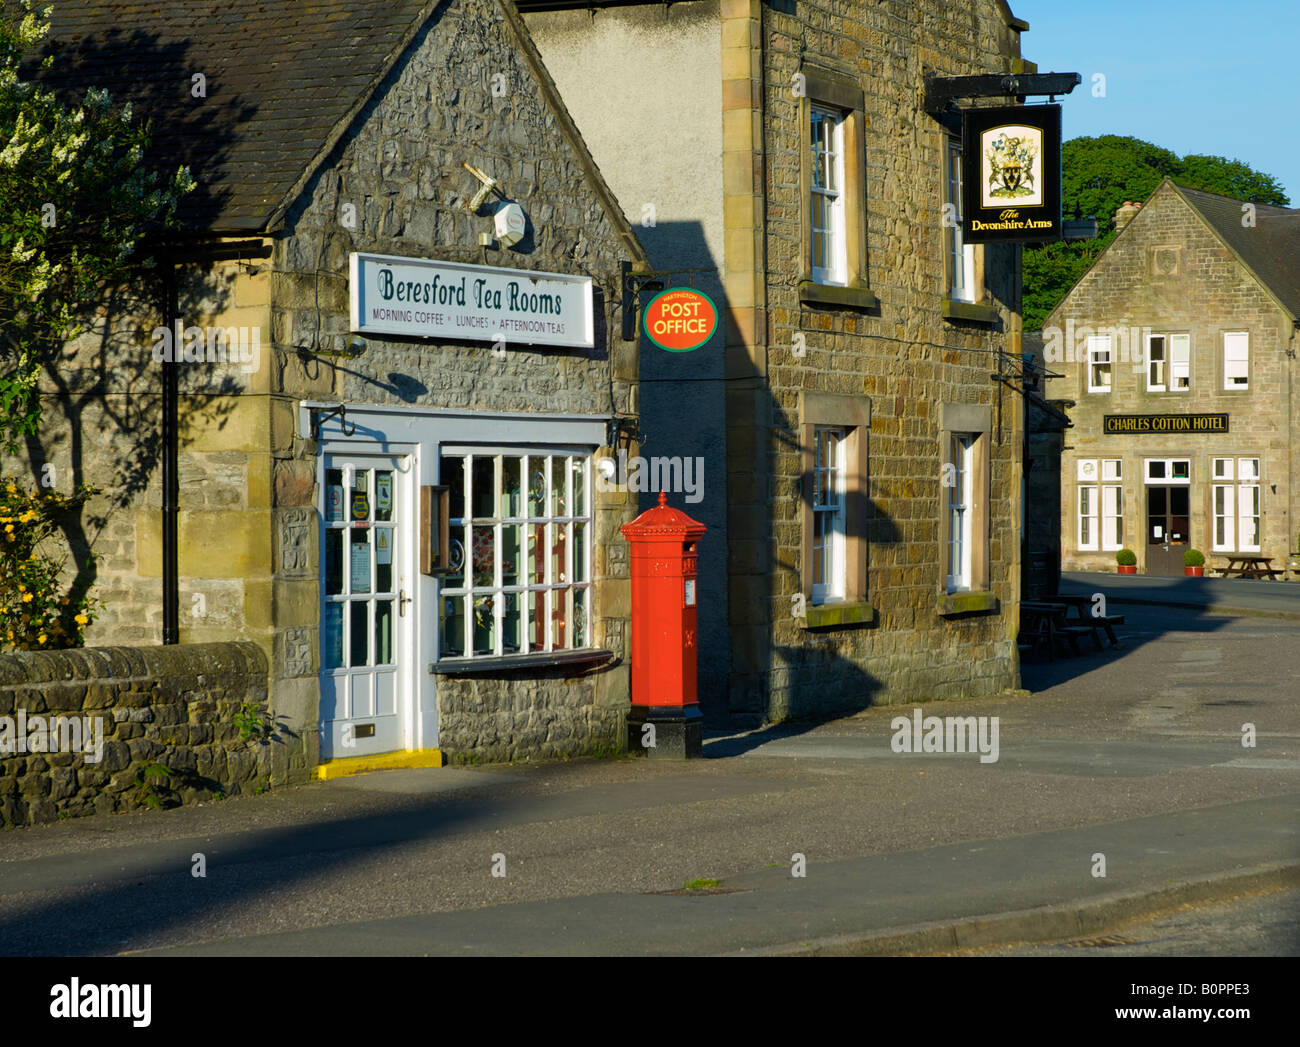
(1257, 567)
(1095, 624)
(1045, 624)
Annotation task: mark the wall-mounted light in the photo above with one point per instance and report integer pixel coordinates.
(510, 222)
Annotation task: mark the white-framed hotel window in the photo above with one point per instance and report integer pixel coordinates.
(1168, 470)
(961, 460)
(830, 464)
(960, 265)
(1236, 360)
(1099, 363)
(1235, 494)
(1087, 510)
(1169, 363)
(826, 204)
(521, 539)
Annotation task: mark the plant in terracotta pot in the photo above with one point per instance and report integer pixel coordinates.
(1126, 561)
(1194, 563)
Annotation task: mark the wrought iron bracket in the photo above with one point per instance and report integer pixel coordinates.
(318, 419)
(632, 285)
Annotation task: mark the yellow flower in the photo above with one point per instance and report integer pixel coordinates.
(9, 527)
(81, 619)
(27, 597)
(41, 638)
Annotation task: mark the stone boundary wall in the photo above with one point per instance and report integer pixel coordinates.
(174, 706)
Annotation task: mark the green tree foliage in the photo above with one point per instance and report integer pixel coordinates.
(1097, 176)
(75, 205)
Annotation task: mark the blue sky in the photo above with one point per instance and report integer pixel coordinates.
(1193, 76)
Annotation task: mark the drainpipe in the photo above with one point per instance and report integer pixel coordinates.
(170, 483)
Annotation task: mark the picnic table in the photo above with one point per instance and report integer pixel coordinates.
(1257, 567)
(1049, 622)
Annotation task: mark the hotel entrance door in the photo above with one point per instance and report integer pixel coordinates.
(1168, 510)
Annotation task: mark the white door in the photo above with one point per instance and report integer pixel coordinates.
(366, 591)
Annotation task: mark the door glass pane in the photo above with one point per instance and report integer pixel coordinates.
(578, 482)
(559, 569)
(334, 561)
(334, 495)
(332, 642)
(384, 537)
(1156, 470)
(455, 577)
(580, 618)
(384, 632)
(359, 652)
(383, 494)
(536, 562)
(360, 508)
(359, 561)
(1181, 470)
(559, 620)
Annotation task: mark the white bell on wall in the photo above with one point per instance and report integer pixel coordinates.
(510, 224)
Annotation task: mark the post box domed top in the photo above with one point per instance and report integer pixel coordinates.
(663, 521)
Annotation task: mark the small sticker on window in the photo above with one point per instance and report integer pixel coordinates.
(690, 592)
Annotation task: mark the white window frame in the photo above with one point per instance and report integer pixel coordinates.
(827, 184)
(1112, 505)
(960, 509)
(1097, 346)
(1223, 538)
(1180, 362)
(1152, 362)
(564, 588)
(1168, 480)
(829, 514)
(1087, 517)
(1236, 360)
(961, 256)
(1249, 499)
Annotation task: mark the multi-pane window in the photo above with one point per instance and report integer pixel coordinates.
(1099, 364)
(1087, 516)
(958, 483)
(1112, 504)
(1168, 471)
(1236, 359)
(520, 579)
(1169, 363)
(1236, 498)
(829, 241)
(961, 257)
(828, 548)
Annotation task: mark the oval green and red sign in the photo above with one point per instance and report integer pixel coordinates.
(680, 319)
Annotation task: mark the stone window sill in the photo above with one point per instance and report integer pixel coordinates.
(831, 294)
(839, 614)
(975, 601)
(521, 662)
(970, 312)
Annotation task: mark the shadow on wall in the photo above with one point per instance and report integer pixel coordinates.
(683, 417)
(101, 394)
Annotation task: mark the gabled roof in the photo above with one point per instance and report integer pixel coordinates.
(1270, 249)
(284, 81)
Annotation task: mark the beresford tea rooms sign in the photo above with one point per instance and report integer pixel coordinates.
(421, 298)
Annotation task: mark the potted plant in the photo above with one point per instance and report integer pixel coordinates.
(1194, 563)
(1126, 561)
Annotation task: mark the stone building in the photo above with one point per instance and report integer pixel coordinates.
(1178, 347)
(863, 472)
(328, 312)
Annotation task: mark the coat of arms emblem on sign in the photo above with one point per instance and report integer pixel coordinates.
(1012, 166)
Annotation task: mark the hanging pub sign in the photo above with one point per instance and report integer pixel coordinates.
(1011, 188)
(423, 298)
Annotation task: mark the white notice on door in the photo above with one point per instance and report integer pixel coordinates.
(360, 567)
(383, 545)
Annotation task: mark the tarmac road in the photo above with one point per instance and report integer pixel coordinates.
(1135, 755)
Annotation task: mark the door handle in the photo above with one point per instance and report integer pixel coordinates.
(402, 601)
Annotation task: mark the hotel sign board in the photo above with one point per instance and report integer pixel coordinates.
(422, 298)
(1117, 424)
(1011, 177)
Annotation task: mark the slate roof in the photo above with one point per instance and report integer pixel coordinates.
(281, 74)
(1271, 250)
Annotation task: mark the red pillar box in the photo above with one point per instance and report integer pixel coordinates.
(663, 544)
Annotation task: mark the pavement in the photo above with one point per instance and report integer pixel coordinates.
(1239, 596)
(1122, 789)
